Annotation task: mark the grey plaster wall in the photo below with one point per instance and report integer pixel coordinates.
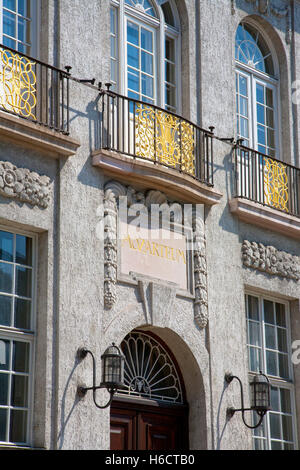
(70, 301)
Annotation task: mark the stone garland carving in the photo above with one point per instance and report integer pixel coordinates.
(112, 191)
(23, 185)
(200, 274)
(267, 7)
(270, 260)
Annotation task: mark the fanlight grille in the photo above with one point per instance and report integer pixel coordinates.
(149, 370)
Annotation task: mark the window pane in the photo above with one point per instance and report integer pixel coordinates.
(170, 73)
(287, 428)
(261, 134)
(270, 118)
(23, 281)
(276, 445)
(269, 96)
(271, 363)
(269, 312)
(275, 399)
(132, 33)
(10, 4)
(253, 311)
(22, 314)
(280, 314)
(23, 250)
(147, 85)
(133, 80)
(4, 389)
(6, 246)
(19, 391)
(170, 49)
(20, 356)
(147, 40)
(18, 426)
(255, 359)
(243, 89)
(283, 366)
(133, 56)
(4, 354)
(282, 340)
(6, 277)
(9, 24)
(3, 420)
(147, 63)
(5, 310)
(254, 333)
(260, 94)
(275, 426)
(270, 333)
(260, 114)
(285, 397)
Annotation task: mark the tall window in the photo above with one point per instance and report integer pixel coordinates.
(269, 351)
(16, 336)
(17, 28)
(145, 51)
(256, 92)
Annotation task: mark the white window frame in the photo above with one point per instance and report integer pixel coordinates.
(28, 336)
(275, 381)
(162, 31)
(269, 81)
(35, 20)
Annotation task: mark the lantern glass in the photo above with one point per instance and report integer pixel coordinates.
(260, 393)
(112, 368)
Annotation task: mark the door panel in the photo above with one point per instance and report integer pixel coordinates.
(143, 428)
(122, 430)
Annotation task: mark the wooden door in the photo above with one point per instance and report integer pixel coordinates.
(138, 427)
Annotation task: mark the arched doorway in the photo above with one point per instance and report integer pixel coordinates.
(151, 413)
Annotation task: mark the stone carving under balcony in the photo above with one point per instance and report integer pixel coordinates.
(23, 185)
(270, 260)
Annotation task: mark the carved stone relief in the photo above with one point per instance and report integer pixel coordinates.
(268, 8)
(270, 260)
(112, 192)
(23, 185)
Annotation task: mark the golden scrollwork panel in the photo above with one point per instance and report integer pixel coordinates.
(164, 138)
(17, 84)
(276, 189)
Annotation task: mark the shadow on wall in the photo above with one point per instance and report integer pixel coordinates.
(65, 416)
(220, 419)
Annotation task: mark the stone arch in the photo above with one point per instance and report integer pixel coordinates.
(187, 345)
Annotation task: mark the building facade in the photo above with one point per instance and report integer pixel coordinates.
(149, 197)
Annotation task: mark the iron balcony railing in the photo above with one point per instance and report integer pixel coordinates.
(146, 132)
(34, 90)
(263, 179)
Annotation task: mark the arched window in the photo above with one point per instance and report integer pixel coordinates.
(145, 51)
(256, 92)
(149, 370)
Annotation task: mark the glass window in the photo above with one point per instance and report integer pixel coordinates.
(17, 24)
(268, 338)
(16, 335)
(143, 78)
(256, 92)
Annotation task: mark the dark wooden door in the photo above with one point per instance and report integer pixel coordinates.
(139, 427)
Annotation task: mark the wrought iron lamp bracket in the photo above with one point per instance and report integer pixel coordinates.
(231, 411)
(82, 390)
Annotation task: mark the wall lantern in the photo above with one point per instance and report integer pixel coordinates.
(112, 362)
(260, 397)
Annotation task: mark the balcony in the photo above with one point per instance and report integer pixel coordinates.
(266, 191)
(149, 146)
(34, 104)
